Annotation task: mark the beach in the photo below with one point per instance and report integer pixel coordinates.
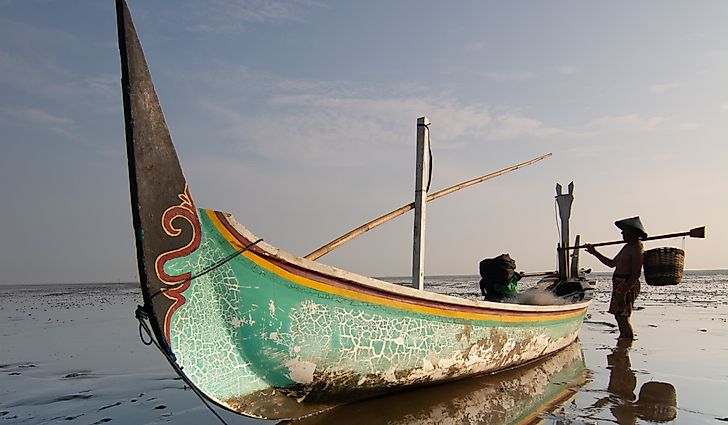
(72, 354)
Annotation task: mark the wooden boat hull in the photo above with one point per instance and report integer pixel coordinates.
(266, 325)
(272, 335)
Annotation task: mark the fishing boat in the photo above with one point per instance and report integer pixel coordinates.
(269, 334)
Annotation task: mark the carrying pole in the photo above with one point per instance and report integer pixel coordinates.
(346, 237)
(421, 176)
(698, 232)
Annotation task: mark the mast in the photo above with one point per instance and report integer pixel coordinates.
(421, 176)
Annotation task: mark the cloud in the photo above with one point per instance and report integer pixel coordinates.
(343, 129)
(663, 88)
(220, 76)
(233, 15)
(626, 123)
(503, 76)
(28, 76)
(507, 127)
(104, 85)
(724, 107)
(17, 33)
(474, 45)
(31, 58)
(44, 78)
(695, 36)
(717, 53)
(589, 150)
(567, 69)
(689, 126)
(40, 118)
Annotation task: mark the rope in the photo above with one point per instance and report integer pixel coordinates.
(140, 315)
(558, 219)
(143, 318)
(429, 149)
(429, 172)
(214, 266)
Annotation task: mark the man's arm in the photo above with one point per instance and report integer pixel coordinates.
(601, 257)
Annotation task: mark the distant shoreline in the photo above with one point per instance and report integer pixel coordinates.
(385, 278)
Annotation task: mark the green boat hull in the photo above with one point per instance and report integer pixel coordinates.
(259, 327)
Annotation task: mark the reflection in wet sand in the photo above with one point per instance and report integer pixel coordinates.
(516, 396)
(657, 401)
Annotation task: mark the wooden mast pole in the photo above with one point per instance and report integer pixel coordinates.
(325, 249)
(421, 182)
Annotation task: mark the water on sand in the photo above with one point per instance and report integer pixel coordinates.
(71, 354)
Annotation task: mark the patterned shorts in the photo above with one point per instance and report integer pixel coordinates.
(623, 298)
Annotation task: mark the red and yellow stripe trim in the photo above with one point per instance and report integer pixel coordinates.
(345, 290)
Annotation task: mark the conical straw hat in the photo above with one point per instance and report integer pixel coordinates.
(634, 223)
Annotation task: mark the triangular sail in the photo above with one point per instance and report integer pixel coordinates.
(165, 220)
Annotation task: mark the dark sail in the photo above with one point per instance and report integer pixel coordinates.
(164, 217)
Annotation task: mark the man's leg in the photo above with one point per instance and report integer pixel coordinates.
(625, 327)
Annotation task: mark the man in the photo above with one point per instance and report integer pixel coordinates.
(627, 266)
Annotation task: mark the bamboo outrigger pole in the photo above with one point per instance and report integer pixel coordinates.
(403, 209)
(698, 232)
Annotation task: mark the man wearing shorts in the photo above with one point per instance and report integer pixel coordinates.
(627, 266)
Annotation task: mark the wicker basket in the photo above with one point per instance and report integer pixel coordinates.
(664, 266)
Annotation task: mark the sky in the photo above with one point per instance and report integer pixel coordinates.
(299, 117)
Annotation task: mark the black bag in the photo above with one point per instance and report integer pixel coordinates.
(496, 273)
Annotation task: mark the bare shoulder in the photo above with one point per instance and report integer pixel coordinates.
(633, 250)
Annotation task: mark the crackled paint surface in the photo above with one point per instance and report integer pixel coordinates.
(243, 329)
(203, 329)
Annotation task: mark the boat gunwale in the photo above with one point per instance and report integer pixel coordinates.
(246, 237)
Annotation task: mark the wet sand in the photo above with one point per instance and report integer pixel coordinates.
(71, 354)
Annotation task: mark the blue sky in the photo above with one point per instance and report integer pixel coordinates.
(299, 118)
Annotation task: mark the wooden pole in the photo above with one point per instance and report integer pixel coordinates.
(325, 249)
(421, 176)
(480, 179)
(532, 274)
(574, 271)
(698, 232)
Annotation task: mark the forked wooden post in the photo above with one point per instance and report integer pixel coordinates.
(421, 176)
(564, 201)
